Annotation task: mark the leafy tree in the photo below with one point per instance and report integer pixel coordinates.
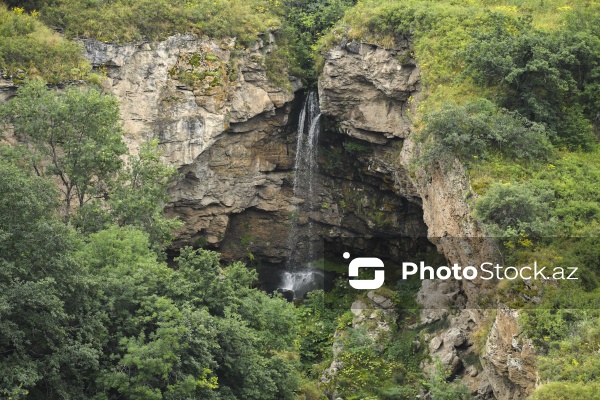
(140, 193)
(75, 136)
(198, 331)
(135, 197)
(101, 317)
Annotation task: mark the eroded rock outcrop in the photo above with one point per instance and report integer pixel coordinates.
(510, 357)
(220, 121)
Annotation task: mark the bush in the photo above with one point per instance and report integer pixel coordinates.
(511, 210)
(567, 391)
(478, 129)
(441, 389)
(542, 75)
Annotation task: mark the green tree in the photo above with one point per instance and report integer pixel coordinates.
(49, 324)
(197, 331)
(135, 197)
(75, 136)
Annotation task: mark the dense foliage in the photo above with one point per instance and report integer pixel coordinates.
(75, 136)
(477, 130)
(101, 317)
(548, 77)
(305, 22)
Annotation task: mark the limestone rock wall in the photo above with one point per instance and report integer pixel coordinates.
(218, 119)
(231, 134)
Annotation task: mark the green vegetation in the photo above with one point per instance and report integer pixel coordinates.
(441, 390)
(30, 49)
(386, 368)
(101, 317)
(372, 362)
(518, 210)
(305, 23)
(75, 136)
(88, 309)
(136, 197)
(356, 147)
(548, 77)
(124, 21)
(478, 130)
(92, 312)
(203, 71)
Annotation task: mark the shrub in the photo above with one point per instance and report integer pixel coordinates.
(567, 390)
(510, 210)
(441, 389)
(478, 129)
(542, 75)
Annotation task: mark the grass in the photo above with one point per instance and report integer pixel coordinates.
(30, 49)
(127, 20)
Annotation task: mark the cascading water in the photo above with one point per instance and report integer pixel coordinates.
(300, 280)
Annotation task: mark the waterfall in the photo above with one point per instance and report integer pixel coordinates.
(296, 279)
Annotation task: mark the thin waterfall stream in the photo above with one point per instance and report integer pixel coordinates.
(301, 276)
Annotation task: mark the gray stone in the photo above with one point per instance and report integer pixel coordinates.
(435, 344)
(454, 337)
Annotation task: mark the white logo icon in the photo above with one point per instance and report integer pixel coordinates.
(365, 262)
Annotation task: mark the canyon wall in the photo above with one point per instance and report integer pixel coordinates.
(231, 133)
(221, 122)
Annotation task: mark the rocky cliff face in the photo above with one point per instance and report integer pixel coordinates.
(221, 122)
(231, 134)
(369, 93)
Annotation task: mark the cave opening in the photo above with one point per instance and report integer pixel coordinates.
(352, 204)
